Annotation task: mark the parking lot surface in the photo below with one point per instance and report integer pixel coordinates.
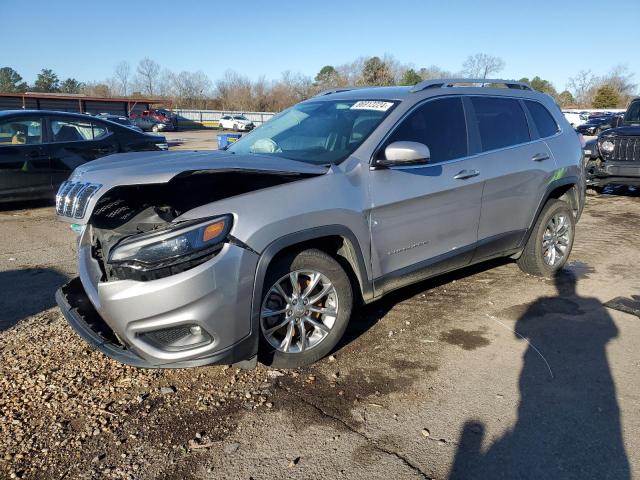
(487, 373)
(194, 139)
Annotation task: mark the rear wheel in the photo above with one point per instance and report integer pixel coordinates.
(551, 240)
(306, 306)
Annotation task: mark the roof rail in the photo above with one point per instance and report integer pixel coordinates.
(335, 90)
(452, 82)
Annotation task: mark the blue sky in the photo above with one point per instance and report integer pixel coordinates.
(553, 39)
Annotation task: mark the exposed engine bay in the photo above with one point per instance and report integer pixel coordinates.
(127, 211)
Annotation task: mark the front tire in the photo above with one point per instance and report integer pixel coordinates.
(154, 129)
(550, 242)
(306, 306)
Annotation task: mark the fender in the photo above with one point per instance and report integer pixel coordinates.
(360, 269)
(561, 182)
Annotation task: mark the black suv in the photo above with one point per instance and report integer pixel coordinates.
(615, 156)
(39, 148)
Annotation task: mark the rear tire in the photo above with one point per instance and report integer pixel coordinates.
(321, 331)
(550, 242)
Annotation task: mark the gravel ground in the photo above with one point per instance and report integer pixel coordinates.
(439, 380)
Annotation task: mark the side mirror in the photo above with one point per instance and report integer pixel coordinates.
(405, 153)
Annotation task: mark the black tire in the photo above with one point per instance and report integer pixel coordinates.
(532, 259)
(235, 127)
(154, 129)
(317, 261)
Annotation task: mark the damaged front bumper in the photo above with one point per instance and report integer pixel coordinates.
(198, 317)
(601, 173)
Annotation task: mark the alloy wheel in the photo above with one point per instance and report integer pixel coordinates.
(299, 311)
(556, 239)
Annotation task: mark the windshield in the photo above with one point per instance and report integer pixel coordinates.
(316, 132)
(240, 117)
(633, 113)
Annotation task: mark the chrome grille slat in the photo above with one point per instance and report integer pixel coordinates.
(62, 192)
(73, 197)
(626, 149)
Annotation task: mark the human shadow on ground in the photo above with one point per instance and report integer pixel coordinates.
(27, 292)
(568, 424)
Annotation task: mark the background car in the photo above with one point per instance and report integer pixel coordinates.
(154, 120)
(40, 148)
(236, 123)
(575, 118)
(120, 119)
(595, 125)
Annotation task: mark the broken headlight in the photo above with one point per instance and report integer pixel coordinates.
(171, 246)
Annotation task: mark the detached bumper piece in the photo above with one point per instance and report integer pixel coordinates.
(87, 323)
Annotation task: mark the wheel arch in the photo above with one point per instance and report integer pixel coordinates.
(565, 189)
(337, 240)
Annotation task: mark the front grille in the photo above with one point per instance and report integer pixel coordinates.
(627, 149)
(73, 197)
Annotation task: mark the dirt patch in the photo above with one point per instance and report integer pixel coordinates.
(468, 340)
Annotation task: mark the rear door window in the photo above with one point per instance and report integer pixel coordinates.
(440, 125)
(501, 122)
(72, 130)
(544, 121)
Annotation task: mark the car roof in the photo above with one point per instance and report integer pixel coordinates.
(30, 113)
(429, 88)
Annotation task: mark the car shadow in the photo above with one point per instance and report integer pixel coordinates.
(366, 316)
(26, 204)
(27, 292)
(568, 422)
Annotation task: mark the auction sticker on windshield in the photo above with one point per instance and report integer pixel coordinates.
(372, 105)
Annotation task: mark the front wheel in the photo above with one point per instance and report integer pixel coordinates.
(306, 306)
(154, 129)
(551, 240)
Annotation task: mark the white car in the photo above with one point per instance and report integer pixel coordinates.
(236, 123)
(575, 118)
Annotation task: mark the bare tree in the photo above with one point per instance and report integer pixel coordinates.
(148, 72)
(482, 65)
(621, 80)
(582, 86)
(122, 77)
(433, 71)
(190, 89)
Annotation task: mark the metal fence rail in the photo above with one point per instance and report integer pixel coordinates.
(210, 118)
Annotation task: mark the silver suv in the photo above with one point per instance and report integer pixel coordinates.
(263, 250)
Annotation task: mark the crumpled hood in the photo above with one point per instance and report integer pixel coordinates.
(78, 196)
(159, 167)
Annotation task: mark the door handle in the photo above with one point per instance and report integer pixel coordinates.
(464, 174)
(539, 157)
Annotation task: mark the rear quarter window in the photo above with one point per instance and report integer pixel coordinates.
(544, 121)
(501, 122)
